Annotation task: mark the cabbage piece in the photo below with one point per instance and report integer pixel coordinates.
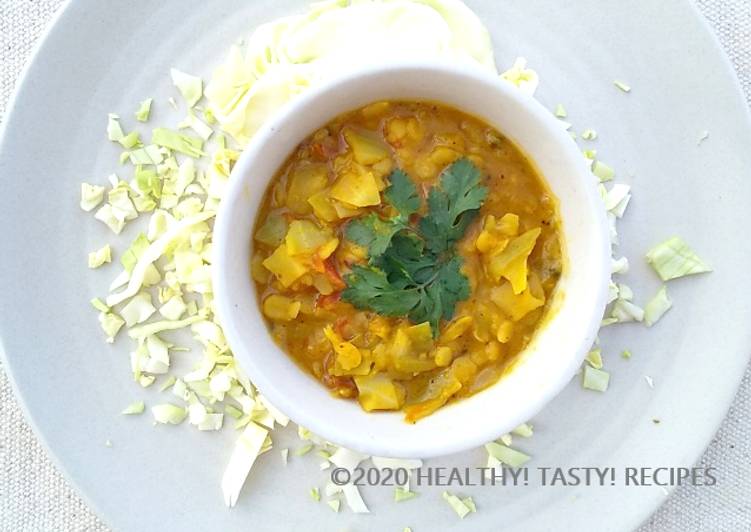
(114, 130)
(595, 379)
(622, 86)
(159, 326)
(91, 196)
(148, 155)
(120, 200)
(594, 358)
(186, 144)
(602, 171)
(507, 455)
(625, 311)
(144, 110)
(657, 306)
(625, 292)
(134, 408)
(356, 187)
(191, 87)
(247, 448)
(111, 323)
(560, 111)
(354, 499)
(334, 504)
(616, 195)
(174, 308)
(589, 134)
(275, 412)
(515, 306)
(346, 458)
(522, 77)
(201, 129)
(378, 392)
(511, 263)
(524, 430)
(114, 218)
(673, 258)
(212, 421)
(287, 268)
(100, 256)
(457, 504)
(403, 494)
(99, 305)
(152, 253)
(619, 265)
(138, 309)
(168, 413)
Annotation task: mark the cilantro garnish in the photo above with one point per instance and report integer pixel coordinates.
(413, 269)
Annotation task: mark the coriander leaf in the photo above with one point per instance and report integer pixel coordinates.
(439, 297)
(373, 232)
(402, 194)
(452, 206)
(405, 256)
(370, 288)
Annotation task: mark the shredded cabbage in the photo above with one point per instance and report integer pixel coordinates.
(144, 110)
(247, 449)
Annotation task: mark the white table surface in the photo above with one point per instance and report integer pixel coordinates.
(35, 497)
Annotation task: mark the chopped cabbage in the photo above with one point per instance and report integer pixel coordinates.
(595, 379)
(354, 499)
(100, 256)
(507, 455)
(403, 494)
(191, 87)
(524, 78)
(622, 86)
(673, 258)
(111, 323)
(134, 408)
(91, 196)
(169, 413)
(657, 306)
(144, 110)
(187, 144)
(247, 448)
(138, 309)
(346, 458)
(524, 430)
(459, 506)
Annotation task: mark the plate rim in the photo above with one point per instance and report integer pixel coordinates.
(650, 503)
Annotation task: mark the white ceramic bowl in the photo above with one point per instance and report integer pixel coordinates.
(546, 365)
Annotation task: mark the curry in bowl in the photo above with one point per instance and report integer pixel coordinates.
(405, 254)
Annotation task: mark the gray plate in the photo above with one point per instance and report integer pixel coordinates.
(104, 57)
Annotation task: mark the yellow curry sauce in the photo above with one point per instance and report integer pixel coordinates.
(303, 259)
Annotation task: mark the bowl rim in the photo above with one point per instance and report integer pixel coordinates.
(238, 178)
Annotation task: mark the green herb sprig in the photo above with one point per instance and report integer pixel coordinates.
(413, 269)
